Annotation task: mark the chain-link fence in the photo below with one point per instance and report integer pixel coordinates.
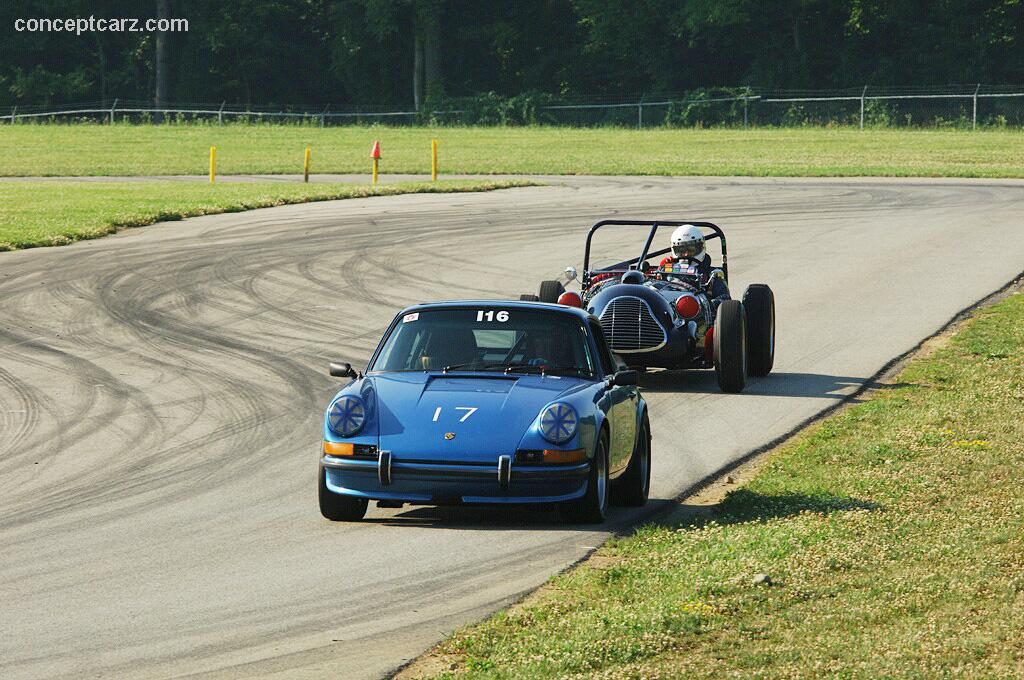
(964, 106)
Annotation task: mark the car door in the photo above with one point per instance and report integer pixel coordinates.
(623, 401)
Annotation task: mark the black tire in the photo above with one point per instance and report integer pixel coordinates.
(592, 507)
(529, 297)
(759, 303)
(634, 486)
(338, 508)
(550, 291)
(730, 346)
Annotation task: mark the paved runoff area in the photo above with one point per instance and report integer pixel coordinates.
(161, 394)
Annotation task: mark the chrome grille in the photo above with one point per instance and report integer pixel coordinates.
(630, 326)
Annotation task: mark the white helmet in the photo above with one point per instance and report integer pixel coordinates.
(688, 241)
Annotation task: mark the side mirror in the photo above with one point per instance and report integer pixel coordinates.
(343, 370)
(571, 274)
(625, 378)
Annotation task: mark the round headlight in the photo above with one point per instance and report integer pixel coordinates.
(346, 416)
(558, 423)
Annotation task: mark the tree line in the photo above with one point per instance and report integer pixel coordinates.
(346, 54)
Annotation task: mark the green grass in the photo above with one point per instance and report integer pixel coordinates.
(56, 213)
(893, 535)
(125, 149)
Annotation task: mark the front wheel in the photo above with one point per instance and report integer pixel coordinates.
(592, 507)
(759, 303)
(550, 291)
(338, 508)
(730, 343)
(633, 488)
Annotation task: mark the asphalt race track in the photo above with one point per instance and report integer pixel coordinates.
(161, 394)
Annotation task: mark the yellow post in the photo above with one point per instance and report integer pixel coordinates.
(305, 166)
(375, 155)
(433, 160)
(213, 164)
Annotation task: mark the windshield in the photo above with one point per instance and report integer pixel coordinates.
(487, 339)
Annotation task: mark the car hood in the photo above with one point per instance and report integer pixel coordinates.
(465, 417)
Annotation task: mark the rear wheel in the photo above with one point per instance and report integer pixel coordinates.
(550, 291)
(759, 303)
(338, 508)
(592, 507)
(633, 487)
(529, 297)
(730, 340)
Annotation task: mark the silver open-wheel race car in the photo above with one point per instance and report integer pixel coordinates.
(665, 317)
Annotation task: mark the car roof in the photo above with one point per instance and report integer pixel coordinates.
(499, 304)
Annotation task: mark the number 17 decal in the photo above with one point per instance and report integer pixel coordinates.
(469, 410)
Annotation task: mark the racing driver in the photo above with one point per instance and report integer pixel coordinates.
(689, 253)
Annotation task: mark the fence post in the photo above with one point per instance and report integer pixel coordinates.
(863, 92)
(14, 110)
(974, 124)
(640, 114)
(323, 115)
(745, 110)
(220, 113)
(112, 111)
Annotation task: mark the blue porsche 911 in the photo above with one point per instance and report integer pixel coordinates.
(487, 402)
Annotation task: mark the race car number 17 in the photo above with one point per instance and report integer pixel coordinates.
(490, 315)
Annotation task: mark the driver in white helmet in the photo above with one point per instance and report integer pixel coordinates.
(690, 256)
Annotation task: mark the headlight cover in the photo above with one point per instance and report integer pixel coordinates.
(346, 415)
(558, 423)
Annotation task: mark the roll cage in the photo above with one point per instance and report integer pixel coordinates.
(654, 225)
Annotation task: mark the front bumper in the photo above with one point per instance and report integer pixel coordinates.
(448, 483)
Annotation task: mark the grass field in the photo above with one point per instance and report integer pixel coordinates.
(56, 213)
(892, 536)
(242, 149)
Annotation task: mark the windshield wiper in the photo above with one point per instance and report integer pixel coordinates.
(565, 368)
(509, 368)
(457, 366)
(517, 368)
(544, 368)
(475, 366)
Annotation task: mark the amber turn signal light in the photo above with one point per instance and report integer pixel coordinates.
(562, 457)
(339, 448)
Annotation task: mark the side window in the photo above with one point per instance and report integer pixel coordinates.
(608, 363)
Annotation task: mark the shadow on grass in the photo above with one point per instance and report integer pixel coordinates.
(742, 506)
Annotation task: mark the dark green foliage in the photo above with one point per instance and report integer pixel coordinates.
(350, 54)
(490, 108)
